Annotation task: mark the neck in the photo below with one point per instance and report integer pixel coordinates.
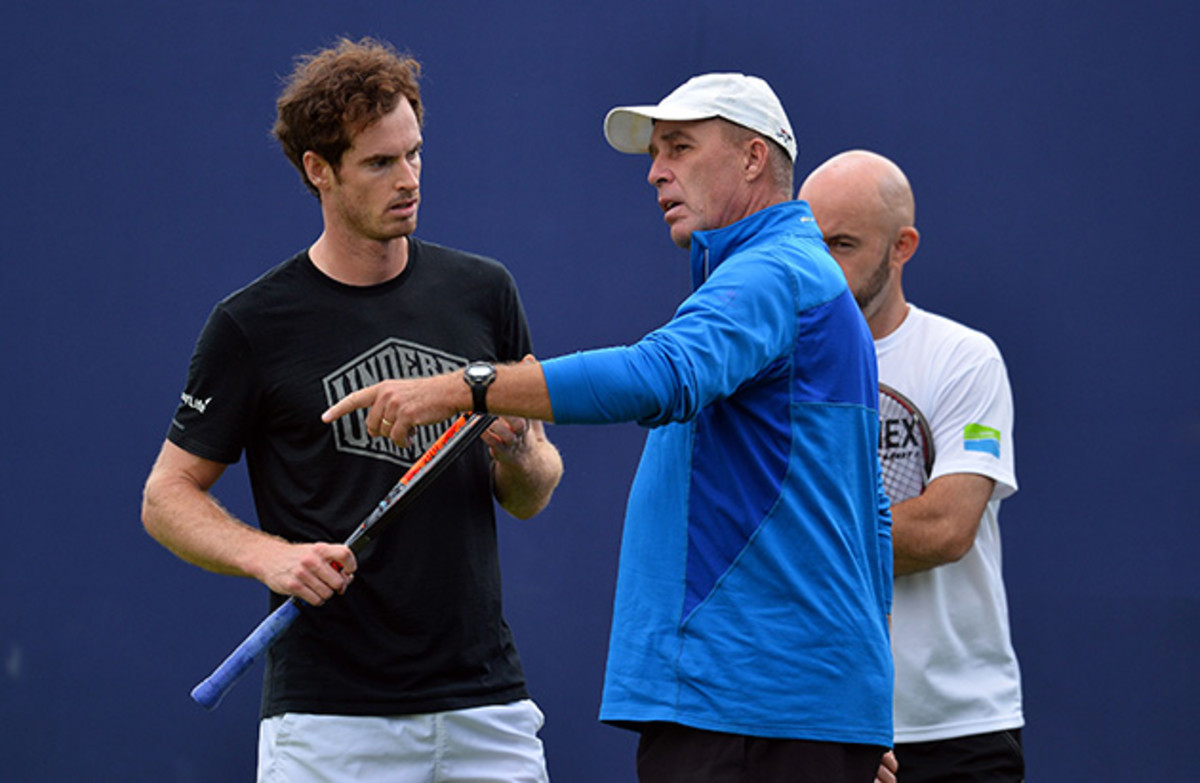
(359, 261)
(888, 318)
(761, 199)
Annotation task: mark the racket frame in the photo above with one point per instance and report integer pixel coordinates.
(453, 442)
(922, 424)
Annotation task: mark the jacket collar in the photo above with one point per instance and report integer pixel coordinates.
(711, 248)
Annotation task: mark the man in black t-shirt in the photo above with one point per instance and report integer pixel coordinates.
(415, 664)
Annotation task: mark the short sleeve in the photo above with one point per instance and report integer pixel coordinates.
(973, 425)
(217, 405)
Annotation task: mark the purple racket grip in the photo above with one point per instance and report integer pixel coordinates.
(208, 694)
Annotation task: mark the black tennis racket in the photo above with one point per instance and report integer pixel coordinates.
(905, 445)
(453, 442)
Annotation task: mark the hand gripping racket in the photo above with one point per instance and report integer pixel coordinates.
(454, 441)
(905, 445)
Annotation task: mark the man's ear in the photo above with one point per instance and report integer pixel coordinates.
(758, 157)
(317, 169)
(905, 244)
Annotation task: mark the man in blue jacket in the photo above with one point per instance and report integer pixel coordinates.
(749, 638)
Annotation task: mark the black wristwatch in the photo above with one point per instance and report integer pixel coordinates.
(479, 376)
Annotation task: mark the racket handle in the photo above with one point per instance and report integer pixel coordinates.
(208, 694)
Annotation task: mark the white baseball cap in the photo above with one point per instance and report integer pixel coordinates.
(745, 100)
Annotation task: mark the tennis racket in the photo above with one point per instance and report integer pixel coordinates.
(905, 445)
(453, 442)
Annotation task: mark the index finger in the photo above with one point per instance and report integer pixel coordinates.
(363, 398)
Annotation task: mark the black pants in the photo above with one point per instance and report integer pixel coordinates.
(981, 758)
(670, 753)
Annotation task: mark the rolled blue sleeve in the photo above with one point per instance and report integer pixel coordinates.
(603, 386)
(724, 334)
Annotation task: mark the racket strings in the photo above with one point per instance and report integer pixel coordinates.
(903, 446)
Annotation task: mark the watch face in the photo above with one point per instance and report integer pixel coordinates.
(480, 373)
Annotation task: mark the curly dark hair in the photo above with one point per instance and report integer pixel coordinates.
(336, 92)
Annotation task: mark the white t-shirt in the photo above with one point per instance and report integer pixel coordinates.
(956, 671)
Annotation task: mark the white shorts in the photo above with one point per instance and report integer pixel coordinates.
(494, 743)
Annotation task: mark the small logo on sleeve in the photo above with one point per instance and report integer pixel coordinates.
(195, 403)
(977, 437)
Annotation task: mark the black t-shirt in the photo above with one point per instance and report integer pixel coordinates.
(421, 628)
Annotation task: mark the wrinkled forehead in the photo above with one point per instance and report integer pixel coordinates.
(672, 130)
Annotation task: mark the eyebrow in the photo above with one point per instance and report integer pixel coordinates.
(670, 137)
(390, 156)
(675, 134)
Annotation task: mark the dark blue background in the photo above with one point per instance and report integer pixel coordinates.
(1052, 147)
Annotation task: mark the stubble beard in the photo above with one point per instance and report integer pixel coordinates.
(868, 294)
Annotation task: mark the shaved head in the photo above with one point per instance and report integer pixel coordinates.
(865, 209)
(872, 181)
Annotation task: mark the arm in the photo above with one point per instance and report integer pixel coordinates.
(519, 390)
(527, 466)
(703, 353)
(179, 512)
(939, 525)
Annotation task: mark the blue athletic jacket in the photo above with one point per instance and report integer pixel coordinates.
(756, 564)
